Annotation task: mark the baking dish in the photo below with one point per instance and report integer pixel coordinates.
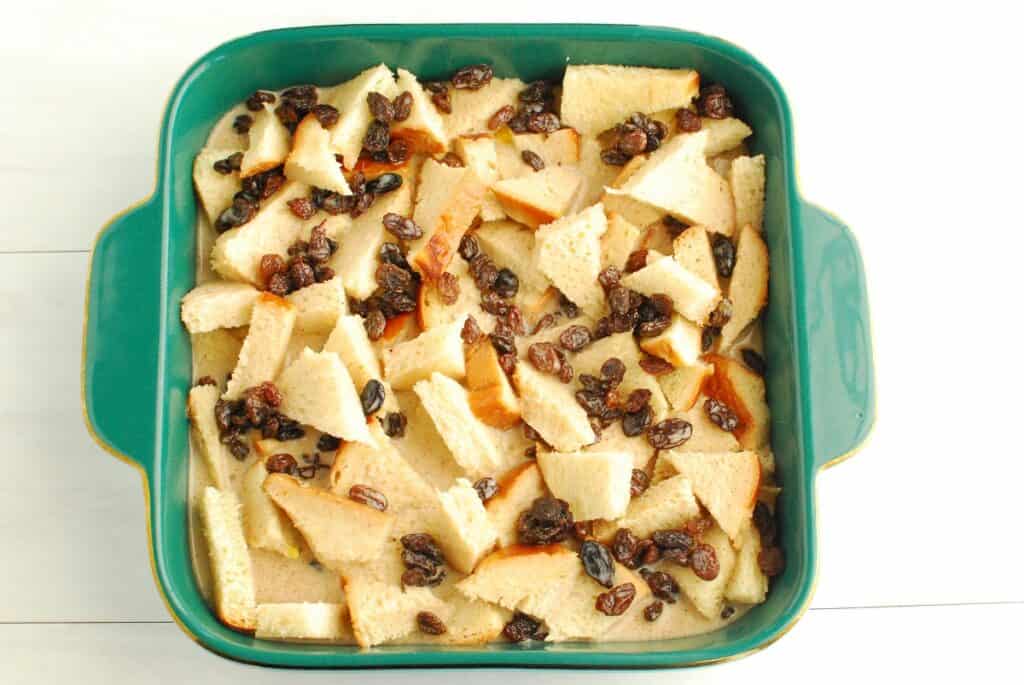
(137, 358)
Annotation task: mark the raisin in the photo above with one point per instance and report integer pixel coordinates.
(503, 344)
(270, 394)
(302, 207)
(255, 102)
(724, 253)
(609, 278)
(544, 357)
(328, 443)
(704, 561)
(384, 183)
(612, 371)
(398, 151)
(289, 430)
(402, 227)
(618, 300)
(239, 450)
(271, 264)
(636, 261)
(632, 142)
(501, 117)
(418, 577)
(597, 562)
(393, 278)
(617, 600)
(471, 333)
(242, 124)
(514, 320)
(413, 559)
(753, 361)
(281, 463)
(614, 157)
(486, 488)
(377, 137)
(637, 400)
(543, 122)
(468, 248)
(392, 254)
(402, 107)
(367, 496)
(448, 288)
(374, 324)
(430, 624)
(663, 586)
(655, 366)
(548, 520)
(650, 329)
(764, 521)
(639, 481)
(583, 530)
(673, 539)
(698, 526)
(687, 121)
(439, 96)
(653, 610)
(301, 275)
(721, 415)
(523, 627)
(635, 423)
(507, 362)
(727, 612)
(533, 159)
(319, 248)
(567, 307)
(506, 283)
(669, 433)
(624, 547)
(372, 396)
(380, 107)
(574, 338)
(714, 102)
(242, 210)
(423, 543)
(771, 561)
(206, 380)
(453, 160)
(678, 556)
(536, 91)
(232, 162)
(327, 115)
(647, 552)
(473, 77)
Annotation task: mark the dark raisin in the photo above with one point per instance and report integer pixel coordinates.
(618, 300)
(669, 433)
(430, 624)
(753, 361)
(704, 561)
(301, 275)
(613, 371)
(609, 278)
(724, 253)
(637, 400)
(687, 121)
(536, 91)
(281, 463)
(289, 429)
(698, 526)
(374, 324)
(328, 443)
(319, 248)
(544, 122)
(239, 450)
(471, 333)
(533, 159)
(647, 552)
(506, 283)
(617, 600)
(650, 329)
(655, 366)
(727, 612)
(302, 207)
(232, 162)
(771, 561)
(515, 321)
(639, 481)
(624, 547)
(255, 102)
(468, 247)
(544, 357)
(418, 577)
(635, 423)
(242, 124)
(678, 556)
(636, 261)
(764, 521)
(243, 208)
(384, 183)
(269, 393)
(632, 142)
(393, 278)
(507, 362)
(271, 264)
(327, 115)
(721, 415)
(653, 610)
(372, 396)
(402, 106)
(501, 117)
(377, 137)
(674, 226)
(380, 107)
(574, 338)
(423, 543)
(486, 488)
(402, 227)
(392, 254)
(523, 627)
(597, 562)
(367, 496)
(288, 115)
(548, 520)
(714, 102)
(673, 539)
(448, 288)
(206, 380)
(441, 98)
(567, 307)
(503, 344)
(473, 77)
(614, 157)
(663, 586)
(394, 424)
(398, 150)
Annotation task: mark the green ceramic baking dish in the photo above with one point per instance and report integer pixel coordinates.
(137, 357)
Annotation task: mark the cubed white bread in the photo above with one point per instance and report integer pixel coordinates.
(338, 530)
(265, 345)
(470, 622)
(612, 439)
(723, 134)
(692, 249)
(358, 246)
(269, 143)
(266, 526)
(747, 180)
(511, 246)
(576, 617)
(549, 407)
(561, 147)
(234, 592)
(490, 392)
(633, 210)
(312, 159)
(480, 154)
(469, 440)
(748, 287)
(677, 180)
(472, 109)
(432, 311)
(350, 342)
(317, 390)
(596, 97)
(679, 344)
(350, 100)
(436, 350)
(692, 297)
(384, 612)
(748, 585)
(707, 596)
(423, 128)
(447, 201)
(619, 241)
(667, 504)
(237, 252)
(201, 402)
(465, 533)
(516, 492)
(215, 190)
(318, 306)
(595, 484)
(215, 353)
(744, 391)
(541, 197)
(308, 621)
(422, 447)
(621, 346)
(724, 482)
(299, 342)
(682, 385)
(596, 174)
(218, 304)
(568, 251)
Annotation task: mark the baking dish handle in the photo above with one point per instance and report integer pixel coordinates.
(842, 375)
(121, 342)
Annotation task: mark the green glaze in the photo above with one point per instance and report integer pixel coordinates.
(136, 362)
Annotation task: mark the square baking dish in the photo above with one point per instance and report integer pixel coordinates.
(136, 366)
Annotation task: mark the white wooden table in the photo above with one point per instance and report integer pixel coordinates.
(907, 128)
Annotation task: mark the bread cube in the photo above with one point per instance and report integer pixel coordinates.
(723, 134)
(748, 585)
(352, 345)
(746, 178)
(447, 201)
(692, 249)
(473, 109)
(433, 311)
(201, 402)
(596, 174)
(422, 446)
(318, 391)
(465, 533)
(748, 287)
(724, 482)
(350, 100)
(575, 616)
(307, 621)
(516, 492)
(707, 595)
(679, 344)
(470, 622)
(216, 191)
(558, 148)
(263, 351)
(423, 128)
(550, 408)
(384, 612)
(682, 386)
(595, 484)
(234, 591)
(490, 393)
(541, 197)
(215, 353)
(596, 97)
(568, 251)
(677, 180)
(318, 306)
(436, 350)
(337, 529)
(266, 526)
(744, 392)
(621, 346)
(692, 297)
(511, 246)
(269, 143)
(667, 504)
(479, 154)
(312, 159)
(620, 240)
(218, 304)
